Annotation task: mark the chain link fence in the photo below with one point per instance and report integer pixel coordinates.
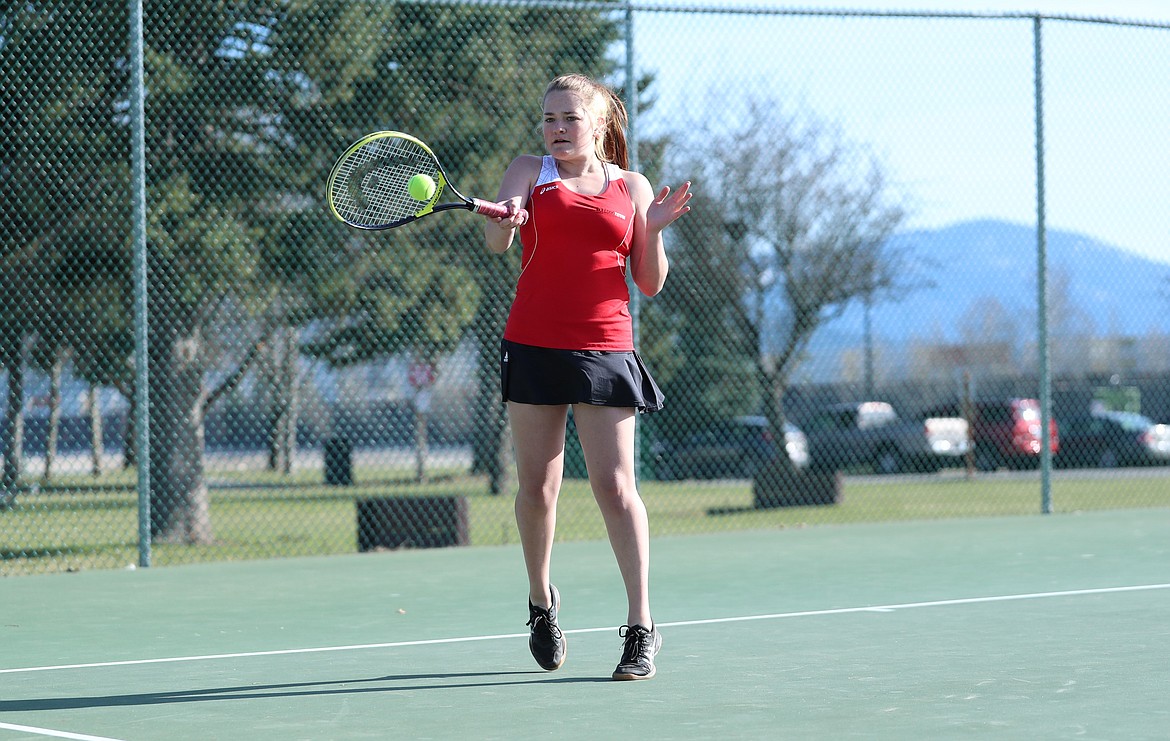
(859, 289)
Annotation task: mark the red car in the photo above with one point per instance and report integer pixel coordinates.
(1006, 433)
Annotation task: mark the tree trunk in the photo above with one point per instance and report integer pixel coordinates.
(490, 444)
(179, 499)
(292, 409)
(130, 438)
(13, 443)
(284, 400)
(97, 444)
(420, 438)
(53, 429)
(490, 448)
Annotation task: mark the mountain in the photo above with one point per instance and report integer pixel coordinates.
(1092, 285)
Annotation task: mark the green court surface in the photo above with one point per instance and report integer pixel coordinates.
(1040, 627)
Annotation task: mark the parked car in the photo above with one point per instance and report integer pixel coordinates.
(1111, 439)
(1005, 433)
(870, 433)
(733, 448)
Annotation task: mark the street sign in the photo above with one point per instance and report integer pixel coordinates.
(421, 376)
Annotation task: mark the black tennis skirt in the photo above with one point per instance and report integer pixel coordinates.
(539, 375)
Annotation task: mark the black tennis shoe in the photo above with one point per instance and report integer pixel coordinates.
(642, 645)
(546, 641)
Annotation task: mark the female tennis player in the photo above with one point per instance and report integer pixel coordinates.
(569, 342)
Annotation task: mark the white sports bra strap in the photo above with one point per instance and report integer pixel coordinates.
(548, 171)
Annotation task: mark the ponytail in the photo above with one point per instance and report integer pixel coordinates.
(614, 146)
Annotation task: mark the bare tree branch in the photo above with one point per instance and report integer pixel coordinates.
(817, 214)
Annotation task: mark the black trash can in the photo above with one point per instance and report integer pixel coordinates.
(338, 461)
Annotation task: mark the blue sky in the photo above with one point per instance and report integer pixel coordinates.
(946, 105)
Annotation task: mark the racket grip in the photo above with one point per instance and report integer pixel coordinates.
(495, 210)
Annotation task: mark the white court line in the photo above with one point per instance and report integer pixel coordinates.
(51, 732)
(711, 621)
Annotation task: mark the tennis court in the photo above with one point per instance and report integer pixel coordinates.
(1031, 627)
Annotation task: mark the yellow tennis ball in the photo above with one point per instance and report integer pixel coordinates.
(421, 187)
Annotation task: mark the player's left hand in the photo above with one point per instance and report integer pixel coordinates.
(667, 207)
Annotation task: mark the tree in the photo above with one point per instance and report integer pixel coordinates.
(53, 189)
(991, 333)
(247, 108)
(239, 94)
(814, 214)
(1070, 327)
(701, 336)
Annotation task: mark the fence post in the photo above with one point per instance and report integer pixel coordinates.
(632, 146)
(141, 357)
(1042, 281)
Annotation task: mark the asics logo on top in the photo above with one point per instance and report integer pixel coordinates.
(546, 189)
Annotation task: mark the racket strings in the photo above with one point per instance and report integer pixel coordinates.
(372, 183)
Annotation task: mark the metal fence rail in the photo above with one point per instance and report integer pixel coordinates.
(945, 213)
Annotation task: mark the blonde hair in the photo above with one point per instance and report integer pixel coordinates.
(601, 102)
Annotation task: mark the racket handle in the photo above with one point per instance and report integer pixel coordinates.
(495, 210)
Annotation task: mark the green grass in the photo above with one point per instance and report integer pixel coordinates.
(80, 523)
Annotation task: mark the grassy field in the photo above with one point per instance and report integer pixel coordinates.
(83, 523)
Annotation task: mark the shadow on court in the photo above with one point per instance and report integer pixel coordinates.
(391, 683)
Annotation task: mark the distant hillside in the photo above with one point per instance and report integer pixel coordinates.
(1113, 291)
(1117, 291)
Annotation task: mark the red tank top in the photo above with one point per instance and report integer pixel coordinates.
(572, 293)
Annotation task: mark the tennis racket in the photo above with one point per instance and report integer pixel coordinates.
(369, 184)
